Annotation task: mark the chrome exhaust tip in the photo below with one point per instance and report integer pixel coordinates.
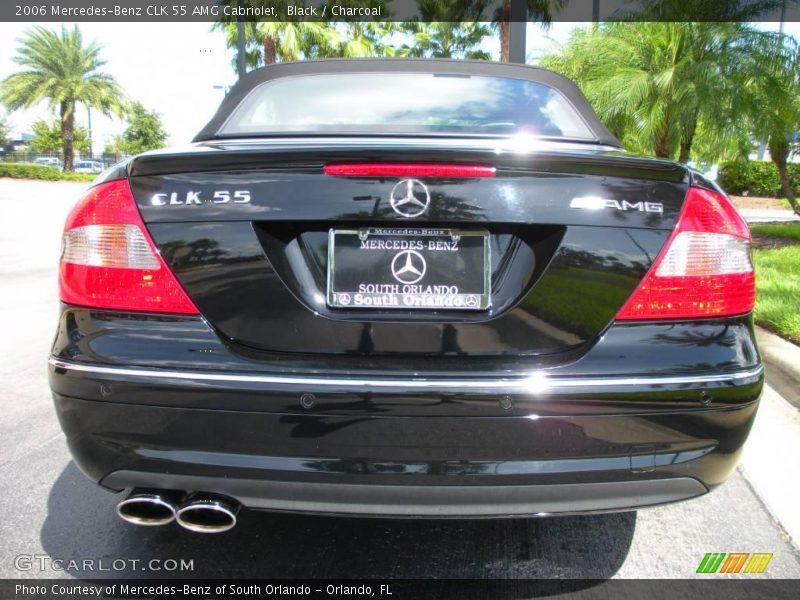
(206, 513)
(149, 507)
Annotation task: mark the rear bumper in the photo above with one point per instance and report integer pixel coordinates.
(432, 501)
(560, 447)
(649, 413)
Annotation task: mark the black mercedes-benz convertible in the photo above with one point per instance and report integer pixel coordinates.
(403, 288)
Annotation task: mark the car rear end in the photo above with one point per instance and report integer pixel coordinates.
(389, 324)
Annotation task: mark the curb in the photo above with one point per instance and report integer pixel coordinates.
(781, 357)
(768, 215)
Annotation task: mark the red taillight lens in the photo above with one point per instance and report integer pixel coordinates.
(408, 170)
(704, 269)
(109, 261)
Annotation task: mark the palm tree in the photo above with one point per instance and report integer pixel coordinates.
(269, 42)
(253, 45)
(768, 78)
(661, 87)
(538, 10)
(60, 68)
(355, 38)
(654, 84)
(700, 10)
(439, 39)
(362, 39)
(443, 31)
(291, 40)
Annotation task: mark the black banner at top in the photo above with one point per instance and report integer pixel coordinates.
(396, 10)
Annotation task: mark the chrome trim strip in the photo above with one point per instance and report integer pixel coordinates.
(533, 384)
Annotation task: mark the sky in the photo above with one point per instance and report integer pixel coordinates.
(178, 69)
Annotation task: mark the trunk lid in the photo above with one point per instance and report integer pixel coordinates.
(570, 232)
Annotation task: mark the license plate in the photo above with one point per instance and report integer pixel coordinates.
(417, 269)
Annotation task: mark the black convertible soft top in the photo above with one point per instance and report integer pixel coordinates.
(253, 79)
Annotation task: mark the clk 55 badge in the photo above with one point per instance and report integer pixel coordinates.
(189, 198)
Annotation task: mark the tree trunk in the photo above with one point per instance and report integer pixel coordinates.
(686, 146)
(779, 152)
(505, 28)
(661, 146)
(686, 142)
(68, 134)
(270, 50)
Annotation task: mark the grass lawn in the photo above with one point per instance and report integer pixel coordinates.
(778, 288)
(781, 230)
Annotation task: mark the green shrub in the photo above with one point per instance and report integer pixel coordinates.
(755, 178)
(33, 171)
(734, 177)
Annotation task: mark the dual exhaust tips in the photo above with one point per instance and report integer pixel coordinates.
(199, 512)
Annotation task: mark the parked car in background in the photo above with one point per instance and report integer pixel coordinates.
(49, 161)
(404, 288)
(88, 166)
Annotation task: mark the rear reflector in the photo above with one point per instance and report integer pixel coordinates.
(121, 246)
(408, 170)
(704, 269)
(109, 261)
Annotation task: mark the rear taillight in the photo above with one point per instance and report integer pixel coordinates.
(109, 261)
(704, 269)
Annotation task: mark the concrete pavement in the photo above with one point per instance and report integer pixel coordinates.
(760, 215)
(770, 460)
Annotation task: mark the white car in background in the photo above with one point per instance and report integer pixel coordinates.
(49, 162)
(88, 166)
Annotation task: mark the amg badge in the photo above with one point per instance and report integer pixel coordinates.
(598, 203)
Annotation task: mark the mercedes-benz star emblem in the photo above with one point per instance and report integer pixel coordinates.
(408, 266)
(410, 198)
